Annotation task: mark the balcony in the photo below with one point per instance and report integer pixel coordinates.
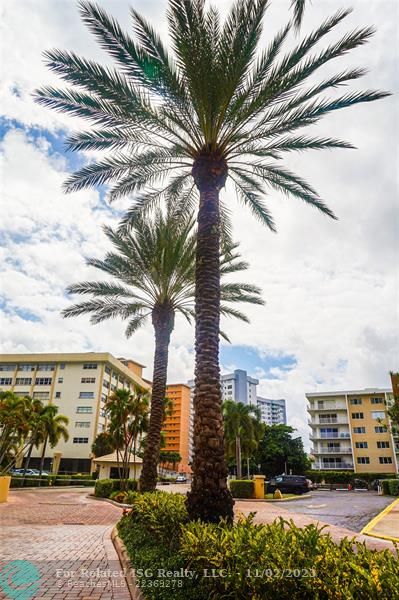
(330, 421)
(329, 436)
(346, 450)
(312, 408)
(332, 467)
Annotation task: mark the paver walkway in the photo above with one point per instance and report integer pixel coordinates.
(66, 536)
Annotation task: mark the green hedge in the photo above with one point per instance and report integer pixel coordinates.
(242, 488)
(390, 487)
(247, 560)
(343, 476)
(104, 487)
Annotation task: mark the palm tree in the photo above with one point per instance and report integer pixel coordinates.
(15, 427)
(36, 434)
(242, 429)
(53, 428)
(128, 420)
(153, 271)
(178, 123)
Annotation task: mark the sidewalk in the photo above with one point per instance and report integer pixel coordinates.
(267, 513)
(385, 525)
(59, 542)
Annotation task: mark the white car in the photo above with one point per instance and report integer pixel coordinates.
(181, 479)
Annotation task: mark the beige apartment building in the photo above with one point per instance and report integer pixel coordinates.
(351, 430)
(79, 385)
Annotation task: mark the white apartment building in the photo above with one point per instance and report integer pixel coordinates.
(273, 412)
(79, 384)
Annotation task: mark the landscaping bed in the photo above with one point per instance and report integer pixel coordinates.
(175, 559)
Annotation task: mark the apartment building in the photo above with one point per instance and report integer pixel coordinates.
(79, 384)
(239, 386)
(352, 430)
(272, 412)
(178, 427)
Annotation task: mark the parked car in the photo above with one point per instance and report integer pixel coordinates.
(15, 471)
(181, 478)
(289, 484)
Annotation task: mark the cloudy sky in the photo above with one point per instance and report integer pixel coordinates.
(331, 288)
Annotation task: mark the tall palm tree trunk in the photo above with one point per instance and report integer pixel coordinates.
(27, 462)
(163, 322)
(209, 498)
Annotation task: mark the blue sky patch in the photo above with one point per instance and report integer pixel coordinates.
(250, 359)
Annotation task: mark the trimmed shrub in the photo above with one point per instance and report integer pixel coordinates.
(285, 561)
(64, 481)
(103, 488)
(242, 488)
(390, 487)
(247, 560)
(342, 476)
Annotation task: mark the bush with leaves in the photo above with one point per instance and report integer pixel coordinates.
(242, 488)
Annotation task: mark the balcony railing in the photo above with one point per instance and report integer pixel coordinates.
(328, 422)
(329, 436)
(346, 450)
(313, 408)
(331, 466)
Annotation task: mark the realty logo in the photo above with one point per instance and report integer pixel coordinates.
(19, 579)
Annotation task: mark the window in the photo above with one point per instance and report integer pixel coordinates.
(60, 380)
(90, 366)
(385, 460)
(377, 401)
(355, 401)
(362, 445)
(100, 428)
(106, 384)
(85, 424)
(113, 387)
(7, 367)
(43, 381)
(26, 367)
(62, 366)
(88, 380)
(382, 444)
(86, 395)
(363, 460)
(378, 414)
(58, 394)
(23, 381)
(380, 429)
(41, 395)
(359, 430)
(357, 416)
(80, 440)
(5, 380)
(45, 367)
(107, 370)
(104, 397)
(85, 409)
(21, 394)
(102, 412)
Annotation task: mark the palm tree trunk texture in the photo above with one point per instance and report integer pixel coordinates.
(163, 321)
(27, 463)
(209, 498)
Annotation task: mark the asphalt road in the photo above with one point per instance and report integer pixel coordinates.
(352, 510)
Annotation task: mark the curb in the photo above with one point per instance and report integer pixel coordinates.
(367, 529)
(271, 500)
(117, 504)
(134, 590)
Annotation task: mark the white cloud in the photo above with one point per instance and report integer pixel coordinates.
(332, 288)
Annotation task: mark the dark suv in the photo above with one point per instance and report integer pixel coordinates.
(288, 484)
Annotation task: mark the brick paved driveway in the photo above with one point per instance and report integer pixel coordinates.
(66, 536)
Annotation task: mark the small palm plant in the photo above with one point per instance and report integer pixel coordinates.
(128, 421)
(242, 429)
(53, 429)
(153, 277)
(177, 123)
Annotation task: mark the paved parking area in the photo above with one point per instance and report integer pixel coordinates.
(352, 510)
(59, 542)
